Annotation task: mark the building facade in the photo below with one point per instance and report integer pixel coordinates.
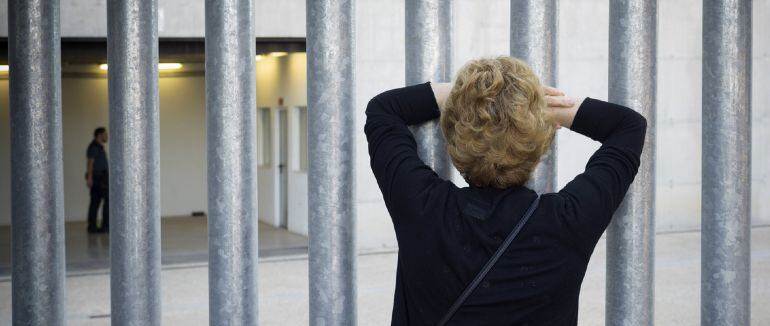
(481, 28)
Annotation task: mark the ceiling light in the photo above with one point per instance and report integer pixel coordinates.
(278, 54)
(3, 68)
(169, 66)
(260, 57)
(161, 66)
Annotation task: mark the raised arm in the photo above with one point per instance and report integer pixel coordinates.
(403, 178)
(592, 197)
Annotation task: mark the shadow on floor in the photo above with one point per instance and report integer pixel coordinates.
(183, 241)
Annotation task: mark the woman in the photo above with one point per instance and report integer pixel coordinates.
(497, 121)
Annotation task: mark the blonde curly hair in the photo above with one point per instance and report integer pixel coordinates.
(495, 122)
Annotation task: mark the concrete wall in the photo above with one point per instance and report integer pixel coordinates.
(176, 18)
(481, 29)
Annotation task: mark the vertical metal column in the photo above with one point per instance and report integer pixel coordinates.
(232, 179)
(726, 185)
(534, 31)
(37, 192)
(429, 58)
(331, 177)
(132, 52)
(631, 234)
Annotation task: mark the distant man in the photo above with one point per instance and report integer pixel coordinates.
(97, 179)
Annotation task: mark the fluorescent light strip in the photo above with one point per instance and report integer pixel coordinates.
(4, 67)
(169, 66)
(161, 66)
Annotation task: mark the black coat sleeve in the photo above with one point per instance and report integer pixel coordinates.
(592, 197)
(403, 178)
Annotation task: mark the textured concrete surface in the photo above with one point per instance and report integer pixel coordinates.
(283, 288)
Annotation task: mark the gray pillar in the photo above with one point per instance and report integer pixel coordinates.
(726, 185)
(534, 31)
(231, 102)
(37, 193)
(132, 55)
(631, 234)
(429, 58)
(331, 177)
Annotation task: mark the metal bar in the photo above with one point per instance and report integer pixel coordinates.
(631, 234)
(534, 31)
(331, 175)
(37, 192)
(132, 54)
(232, 189)
(429, 58)
(726, 185)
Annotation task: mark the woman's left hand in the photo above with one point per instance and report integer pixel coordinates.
(562, 107)
(555, 98)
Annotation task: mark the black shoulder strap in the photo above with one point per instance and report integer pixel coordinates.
(491, 263)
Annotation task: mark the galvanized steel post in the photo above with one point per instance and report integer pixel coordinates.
(534, 31)
(726, 184)
(429, 58)
(232, 179)
(331, 176)
(132, 54)
(37, 192)
(631, 234)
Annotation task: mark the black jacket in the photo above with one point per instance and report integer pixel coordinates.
(445, 234)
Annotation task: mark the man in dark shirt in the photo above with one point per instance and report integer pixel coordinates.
(98, 182)
(446, 233)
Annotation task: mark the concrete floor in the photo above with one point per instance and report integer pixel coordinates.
(183, 242)
(283, 288)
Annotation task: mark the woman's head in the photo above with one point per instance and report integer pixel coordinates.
(495, 122)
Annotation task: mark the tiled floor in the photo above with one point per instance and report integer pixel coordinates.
(183, 241)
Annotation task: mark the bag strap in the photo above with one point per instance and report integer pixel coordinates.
(491, 263)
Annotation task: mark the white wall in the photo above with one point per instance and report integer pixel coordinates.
(266, 182)
(183, 177)
(379, 63)
(176, 18)
(266, 98)
(5, 155)
(84, 107)
(295, 86)
(297, 183)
